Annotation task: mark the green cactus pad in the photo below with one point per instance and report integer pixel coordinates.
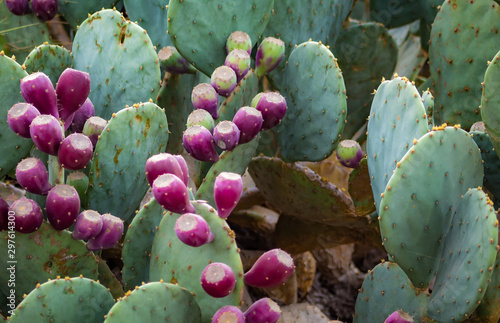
(137, 245)
(76, 11)
(156, 302)
(416, 208)
(109, 280)
(117, 176)
(175, 262)
(76, 300)
(45, 254)
(395, 14)
(467, 260)
(241, 96)
(193, 32)
(14, 146)
(428, 101)
(366, 53)
(463, 39)
(489, 309)
(121, 61)
(490, 100)
(397, 118)
(491, 163)
(49, 59)
(386, 289)
(317, 105)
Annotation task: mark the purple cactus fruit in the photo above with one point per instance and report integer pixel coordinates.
(228, 314)
(193, 230)
(75, 151)
(199, 143)
(28, 215)
(205, 97)
(201, 117)
(272, 269)
(62, 206)
(47, 134)
(226, 135)
(93, 128)
(269, 55)
(272, 105)
(349, 153)
(32, 175)
(4, 215)
(217, 280)
(239, 61)
(160, 164)
(45, 9)
(227, 192)
(72, 89)
(20, 117)
(399, 317)
(264, 310)
(223, 80)
(171, 193)
(88, 225)
(81, 115)
(184, 167)
(18, 7)
(256, 99)
(172, 61)
(249, 121)
(111, 233)
(239, 40)
(38, 90)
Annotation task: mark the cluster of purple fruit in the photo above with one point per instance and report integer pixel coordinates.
(43, 9)
(263, 310)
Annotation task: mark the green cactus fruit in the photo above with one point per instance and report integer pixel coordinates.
(269, 54)
(386, 289)
(52, 60)
(109, 280)
(45, 254)
(317, 106)
(490, 100)
(171, 61)
(461, 44)
(366, 53)
(201, 117)
(80, 182)
(397, 119)
(175, 262)
(132, 136)
(395, 14)
(425, 187)
(76, 299)
(76, 11)
(17, 147)
(156, 302)
(428, 100)
(103, 42)
(203, 43)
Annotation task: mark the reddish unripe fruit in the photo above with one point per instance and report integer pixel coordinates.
(62, 206)
(198, 142)
(217, 280)
(38, 90)
(264, 310)
(20, 117)
(227, 192)
(228, 314)
(193, 230)
(160, 164)
(47, 134)
(226, 135)
(72, 89)
(111, 233)
(45, 9)
(273, 107)
(272, 269)
(28, 216)
(239, 61)
(249, 121)
(223, 80)
(399, 317)
(18, 7)
(171, 193)
(88, 225)
(4, 215)
(75, 151)
(32, 175)
(205, 97)
(183, 165)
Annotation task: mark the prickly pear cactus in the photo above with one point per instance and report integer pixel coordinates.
(76, 11)
(490, 100)
(49, 59)
(317, 106)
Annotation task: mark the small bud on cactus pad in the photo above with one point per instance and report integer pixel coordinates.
(47, 134)
(32, 175)
(163, 163)
(198, 142)
(224, 80)
(4, 215)
(226, 135)
(205, 97)
(171, 193)
(399, 317)
(349, 153)
(93, 128)
(81, 115)
(75, 151)
(72, 89)
(228, 314)
(20, 117)
(239, 61)
(239, 40)
(111, 233)
(193, 230)
(269, 55)
(217, 280)
(249, 121)
(202, 118)
(273, 107)
(264, 310)
(272, 269)
(88, 225)
(45, 9)
(38, 90)
(227, 192)
(62, 206)
(18, 7)
(172, 61)
(28, 216)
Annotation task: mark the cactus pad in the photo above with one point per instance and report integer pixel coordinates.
(490, 101)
